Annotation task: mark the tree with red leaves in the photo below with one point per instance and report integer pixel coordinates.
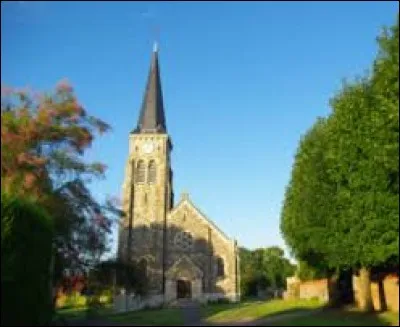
(43, 139)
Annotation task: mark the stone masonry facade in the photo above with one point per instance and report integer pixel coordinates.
(184, 253)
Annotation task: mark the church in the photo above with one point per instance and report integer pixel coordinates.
(184, 254)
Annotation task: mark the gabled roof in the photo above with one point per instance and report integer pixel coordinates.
(185, 200)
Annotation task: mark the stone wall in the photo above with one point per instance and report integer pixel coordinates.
(136, 302)
(315, 289)
(151, 201)
(209, 244)
(188, 231)
(292, 288)
(387, 293)
(297, 289)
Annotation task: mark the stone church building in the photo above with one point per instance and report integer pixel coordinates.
(184, 254)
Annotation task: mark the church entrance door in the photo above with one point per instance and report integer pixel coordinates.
(183, 289)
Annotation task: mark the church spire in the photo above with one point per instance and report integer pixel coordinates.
(152, 117)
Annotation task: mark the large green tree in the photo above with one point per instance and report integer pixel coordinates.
(264, 267)
(342, 204)
(364, 161)
(310, 200)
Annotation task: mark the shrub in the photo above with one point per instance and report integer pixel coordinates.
(75, 299)
(106, 296)
(223, 301)
(218, 301)
(26, 251)
(61, 301)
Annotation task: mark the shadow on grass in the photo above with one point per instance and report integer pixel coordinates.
(264, 320)
(151, 317)
(254, 310)
(76, 316)
(286, 313)
(145, 317)
(338, 317)
(261, 313)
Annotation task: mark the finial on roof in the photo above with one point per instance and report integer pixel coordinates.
(185, 196)
(155, 46)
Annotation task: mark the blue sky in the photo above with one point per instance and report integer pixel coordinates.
(242, 82)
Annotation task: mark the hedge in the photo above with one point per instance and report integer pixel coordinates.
(26, 251)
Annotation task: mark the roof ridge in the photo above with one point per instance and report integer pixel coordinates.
(211, 222)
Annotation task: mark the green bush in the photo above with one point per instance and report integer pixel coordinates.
(26, 250)
(223, 301)
(106, 296)
(75, 300)
(218, 301)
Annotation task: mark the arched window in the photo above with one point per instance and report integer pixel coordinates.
(140, 172)
(151, 176)
(220, 267)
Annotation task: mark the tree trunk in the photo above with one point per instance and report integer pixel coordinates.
(365, 290)
(382, 297)
(52, 283)
(333, 290)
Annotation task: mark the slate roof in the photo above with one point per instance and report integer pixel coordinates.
(152, 116)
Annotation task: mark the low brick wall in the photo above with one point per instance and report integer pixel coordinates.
(390, 288)
(314, 289)
(292, 288)
(297, 289)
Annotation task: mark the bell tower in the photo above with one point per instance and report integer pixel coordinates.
(147, 189)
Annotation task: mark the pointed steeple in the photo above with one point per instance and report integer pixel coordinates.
(152, 117)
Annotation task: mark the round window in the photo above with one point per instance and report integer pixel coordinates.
(184, 240)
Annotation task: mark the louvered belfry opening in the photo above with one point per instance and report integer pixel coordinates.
(152, 172)
(140, 172)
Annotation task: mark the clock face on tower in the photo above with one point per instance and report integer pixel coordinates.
(148, 147)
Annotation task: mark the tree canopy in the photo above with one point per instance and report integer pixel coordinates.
(341, 206)
(44, 137)
(264, 267)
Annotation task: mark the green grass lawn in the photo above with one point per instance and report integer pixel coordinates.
(156, 317)
(81, 312)
(337, 317)
(252, 310)
(248, 311)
